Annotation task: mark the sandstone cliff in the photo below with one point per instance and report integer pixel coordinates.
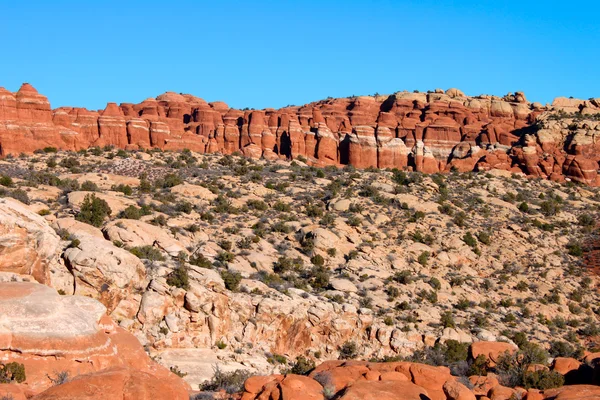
(427, 132)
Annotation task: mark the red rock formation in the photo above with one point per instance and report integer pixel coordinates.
(424, 132)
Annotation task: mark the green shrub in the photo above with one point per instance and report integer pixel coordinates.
(179, 277)
(317, 260)
(93, 210)
(125, 189)
(230, 382)
(302, 366)
(455, 351)
(200, 261)
(542, 380)
(231, 279)
(12, 372)
(447, 320)
(423, 258)
(20, 195)
(575, 249)
(168, 181)
(89, 186)
(147, 253)
(348, 351)
(133, 212)
(6, 181)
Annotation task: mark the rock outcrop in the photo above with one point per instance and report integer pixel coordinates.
(28, 246)
(49, 333)
(427, 132)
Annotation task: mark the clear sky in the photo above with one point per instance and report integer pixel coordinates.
(274, 53)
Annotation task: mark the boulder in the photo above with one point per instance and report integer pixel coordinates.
(103, 271)
(491, 350)
(28, 246)
(384, 390)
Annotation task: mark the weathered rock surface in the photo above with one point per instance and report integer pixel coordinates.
(49, 333)
(427, 132)
(28, 245)
(117, 383)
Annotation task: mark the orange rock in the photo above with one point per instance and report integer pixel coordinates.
(483, 384)
(491, 350)
(116, 383)
(533, 394)
(393, 376)
(298, 387)
(384, 390)
(430, 378)
(500, 392)
(255, 384)
(564, 365)
(574, 392)
(455, 390)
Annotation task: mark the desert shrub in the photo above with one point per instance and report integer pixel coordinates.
(20, 195)
(281, 206)
(286, 264)
(512, 369)
(550, 208)
(147, 253)
(542, 380)
(200, 261)
(314, 210)
(133, 212)
(59, 378)
(69, 163)
(403, 277)
(179, 277)
(435, 283)
(89, 186)
(348, 351)
(327, 220)
(460, 219)
(317, 260)
(302, 366)
(93, 210)
(6, 181)
(318, 277)
(447, 320)
(225, 257)
(184, 206)
(455, 351)
(231, 279)
(423, 258)
(258, 205)
(168, 181)
(231, 382)
(575, 249)
(479, 366)
(12, 372)
(563, 349)
(125, 189)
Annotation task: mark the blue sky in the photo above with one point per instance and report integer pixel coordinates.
(274, 53)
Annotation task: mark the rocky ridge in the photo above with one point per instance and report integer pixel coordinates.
(425, 132)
